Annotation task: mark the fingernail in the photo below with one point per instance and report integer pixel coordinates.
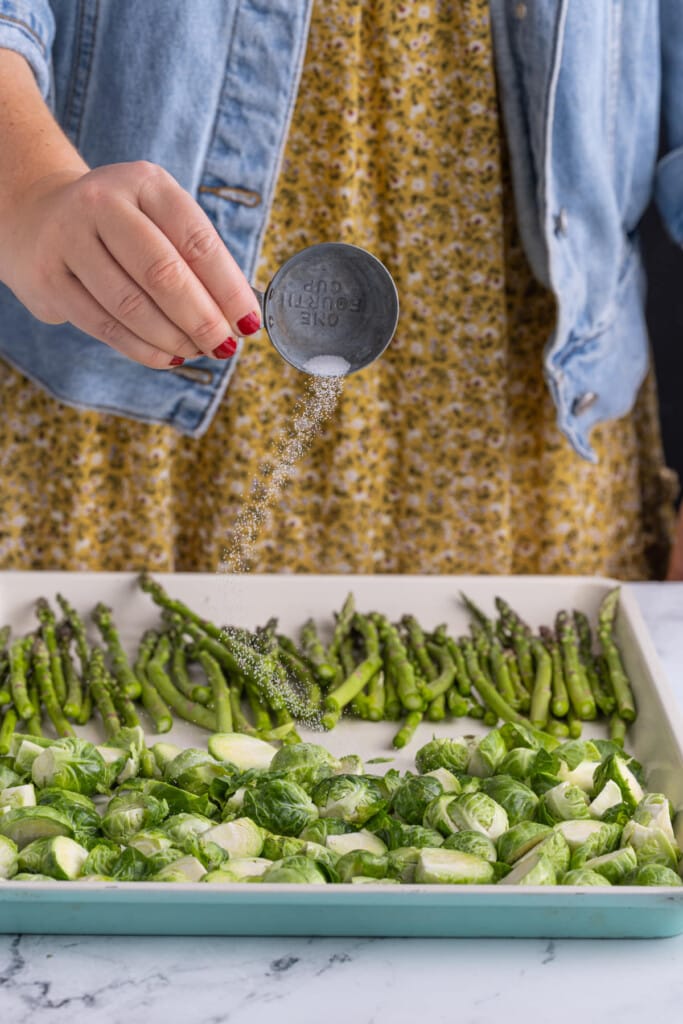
(226, 349)
(177, 361)
(249, 324)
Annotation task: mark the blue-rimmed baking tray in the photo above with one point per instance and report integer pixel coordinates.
(149, 908)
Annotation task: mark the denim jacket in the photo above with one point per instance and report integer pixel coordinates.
(583, 84)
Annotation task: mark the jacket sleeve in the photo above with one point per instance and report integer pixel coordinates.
(669, 182)
(27, 27)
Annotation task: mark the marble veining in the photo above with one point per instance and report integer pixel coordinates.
(126, 980)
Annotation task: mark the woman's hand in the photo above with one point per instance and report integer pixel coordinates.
(122, 252)
(126, 255)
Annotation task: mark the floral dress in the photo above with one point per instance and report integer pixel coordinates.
(441, 457)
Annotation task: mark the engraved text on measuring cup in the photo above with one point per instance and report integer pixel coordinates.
(318, 302)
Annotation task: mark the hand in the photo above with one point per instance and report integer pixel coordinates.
(126, 255)
(675, 571)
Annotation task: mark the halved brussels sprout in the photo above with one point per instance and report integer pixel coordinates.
(583, 876)
(24, 824)
(150, 841)
(652, 845)
(608, 797)
(615, 866)
(437, 815)
(577, 832)
(355, 798)
(186, 869)
(470, 841)
(656, 874)
(603, 840)
(101, 859)
(296, 870)
(487, 755)
(449, 783)
(361, 862)
(574, 752)
(130, 812)
(520, 802)
(183, 826)
(402, 864)
(582, 776)
(194, 770)
(453, 754)
(279, 806)
(563, 802)
(411, 798)
(518, 763)
(72, 764)
(241, 750)
(317, 831)
(78, 809)
(451, 867)
(519, 839)
(17, 796)
(239, 838)
(532, 869)
(59, 857)
(242, 869)
(9, 857)
(480, 812)
(655, 811)
(353, 842)
(616, 768)
(305, 763)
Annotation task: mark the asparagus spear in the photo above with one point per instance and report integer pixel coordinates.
(102, 616)
(41, 664)
(219, 690)
(18, 653)
(97, 684)
(617, 675)
(48, 623)
(580, 695)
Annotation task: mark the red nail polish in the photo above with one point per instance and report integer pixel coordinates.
(226, 349)
(177, 361)
(249, 324)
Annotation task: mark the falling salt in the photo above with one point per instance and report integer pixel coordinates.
(327, 366)
(310, 412)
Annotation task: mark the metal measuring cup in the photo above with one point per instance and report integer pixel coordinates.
(331, 309)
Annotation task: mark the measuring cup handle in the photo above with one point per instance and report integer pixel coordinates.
(259, 297)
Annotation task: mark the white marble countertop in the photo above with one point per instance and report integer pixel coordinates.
(119, 980)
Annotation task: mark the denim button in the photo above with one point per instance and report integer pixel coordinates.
(520, 12)
(584, 402)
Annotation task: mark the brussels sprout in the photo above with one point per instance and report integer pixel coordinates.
(232, 808)
(101, 859)
(519, 839)
(451, 867)
(241, 750)
(277, 847)
(544, 775)
(8, 857)
(164, 753)
(355, 798)
(295, 871)
(402, 864)
(305, 763)
(150, 841)
(186, 869)
(8, 777)
(518, 736)
(412, 797)
(362, 880)
(470, 784)
(619, 814)
(183, 826)
(130, 740)
(325, 859)
(518, 763)
(583, 876)
(582, 776)
(79, 810)
(449, 782)
(352, 842)
(616, 768)
(574, 752)
(519, 801)
(656, 874)
(317, 831)
(130, 812)
(59, 857)
(241, 869)
(282, 807)
(72, 764)
(604, 840)
(24, 824)
(410, 835)
(17, 796)
(608, 797)
(115, 766)
(615, 866)
(480, 812)
(652, 845)
(487, 755)
(532, 869)
(178, 800)
(562, 803)
(469, 841)
(27, 752)
(555, 848)
(239, 838)
(437, 816)
(654, 811)
(194, 770)
(577, 832)
(388, 783)
(358, 863)
(131, 866)
(444, 753)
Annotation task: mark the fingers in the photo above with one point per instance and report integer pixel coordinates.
(88, 315)
(116, 293)
(194, 237)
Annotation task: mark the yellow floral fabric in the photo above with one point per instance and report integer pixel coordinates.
(443, 456)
